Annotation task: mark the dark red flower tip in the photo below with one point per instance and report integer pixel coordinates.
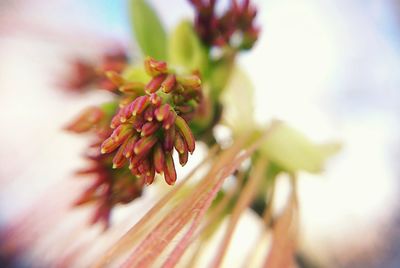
(218, 30)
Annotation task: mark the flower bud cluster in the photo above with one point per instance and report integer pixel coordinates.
(148, 129)
(151, 122)
(218, 31)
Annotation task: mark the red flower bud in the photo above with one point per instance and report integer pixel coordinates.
(149, 129)
(144, 166)
(122, 132)
(135, 161)
(155, 100)
(170, 120)
(158, 158)
(189, 81)
(183, 158)
(116, 120)
(169, 137)
(180, 144)
(169, 83)
(109, 145)
(147, 171)
(144, 145)
(187, 134)
(154, 67)
(149, 175)
(119, 159)
(155, 84)
(139, 105)
(125, 112)
(162, 112)
(137, 123)
(169, 169)
(130, 145)
(149, 114)
(115, 78)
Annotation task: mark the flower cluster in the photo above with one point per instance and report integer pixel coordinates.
(218, 31)
(146, 130)
(86, 74)
(151, 122)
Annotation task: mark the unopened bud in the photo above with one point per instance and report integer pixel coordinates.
(149, 128)
(109, 145)
(189, 81)
(183, 158)
(170, 120)
(149, 114)
(149, 175)
(169, 83)
(138, 123)
(119, 159)
(115, 78)
(162, 112)
(144, 144)
(169, 137)
(187, 134)
(154, 67)
(155, 84)
(122, 132)
(179, 143)
(155, 100)
(158, 158)
(128, 150)
(169, 169)
(139, 105)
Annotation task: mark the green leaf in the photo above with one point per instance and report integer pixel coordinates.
(185, 49)
(220, 72)
(293, 152)
(148, 30)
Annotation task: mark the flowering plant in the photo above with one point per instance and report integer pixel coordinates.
(185, 85)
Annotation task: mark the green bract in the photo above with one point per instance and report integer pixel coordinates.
(136, 73)
(148, 30)
(220, 72)
(186, 50)
(237, 100)
(293, 152)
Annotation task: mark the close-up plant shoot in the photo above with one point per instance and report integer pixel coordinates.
(192, 133)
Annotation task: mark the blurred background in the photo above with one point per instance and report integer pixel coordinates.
(328, 68)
